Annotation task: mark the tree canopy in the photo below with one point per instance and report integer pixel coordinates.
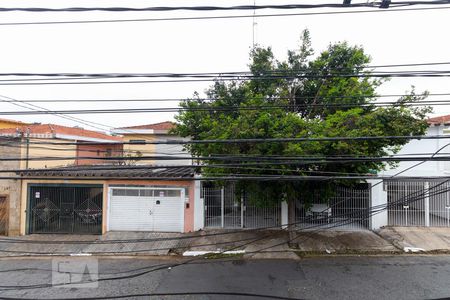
(328, 95)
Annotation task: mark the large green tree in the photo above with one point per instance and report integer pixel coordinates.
(328, 95)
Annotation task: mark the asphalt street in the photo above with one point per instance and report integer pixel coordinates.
(338, 277)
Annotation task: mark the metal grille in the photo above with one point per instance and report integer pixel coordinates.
(439, 205)
(347, 209)
(3, 215)
(418, 203)
(224, 210)
(65, 209)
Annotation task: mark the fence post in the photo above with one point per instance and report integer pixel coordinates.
(427, 204)
(199, 207)
(378, 197)
(242, 211)
(222, 207)
(284, 215)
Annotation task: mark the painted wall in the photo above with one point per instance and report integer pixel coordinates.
(416, 147)
(172, 150)
(146, 150)
(158, 149)
(104, 150)
(59, 151)
(10, 124)
(11, 188)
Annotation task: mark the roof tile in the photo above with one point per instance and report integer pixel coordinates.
(439, 120)
(167, 125)
(50, 129)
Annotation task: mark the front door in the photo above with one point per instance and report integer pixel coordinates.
(3, 215)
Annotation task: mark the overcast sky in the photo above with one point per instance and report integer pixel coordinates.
(196, 46)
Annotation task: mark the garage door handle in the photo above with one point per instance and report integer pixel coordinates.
(150, 212)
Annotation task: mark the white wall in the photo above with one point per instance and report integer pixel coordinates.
(379, 200)
(199, 208)
(171, 150)
(415, 147)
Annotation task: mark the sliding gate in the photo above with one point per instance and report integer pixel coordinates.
(418, 203)
(223, 209)
(346, 209)
(65, 209)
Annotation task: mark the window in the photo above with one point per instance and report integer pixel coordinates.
(146, 192)
(125, 192)
(137, 141)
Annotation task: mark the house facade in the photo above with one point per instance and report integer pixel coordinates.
(114, 198)
(51, 145)
(136, 137)
(42, 146)
(421, 197)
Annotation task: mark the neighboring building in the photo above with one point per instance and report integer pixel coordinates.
(137, 136)
(423, 201)
(112, 198)
(426, 147)
(29, 136)
(6, 123)
(20, 144)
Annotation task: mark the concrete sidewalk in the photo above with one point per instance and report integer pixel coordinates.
(430, 239)
(112, 243)
(256, 244)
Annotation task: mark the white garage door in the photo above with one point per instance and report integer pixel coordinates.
(146, 209)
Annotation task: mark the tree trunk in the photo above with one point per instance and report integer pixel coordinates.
(292, 224)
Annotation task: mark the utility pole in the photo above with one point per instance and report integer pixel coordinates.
(27, 155)
(254, 24)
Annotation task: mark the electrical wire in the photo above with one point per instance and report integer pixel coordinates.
(442, 74)
(286, 160)
(218, 8)
(38, 140)
(34, 107)
(278, 73)
(221, 17)
(218, 109)
(237, 99)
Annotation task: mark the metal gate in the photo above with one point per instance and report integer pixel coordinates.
(418, 203)
(224, 210)
(65, 209)
(346, 209)
(3, 215)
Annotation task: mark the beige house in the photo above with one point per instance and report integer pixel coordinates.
(136, 137)
(39, 147)
(6, 123)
